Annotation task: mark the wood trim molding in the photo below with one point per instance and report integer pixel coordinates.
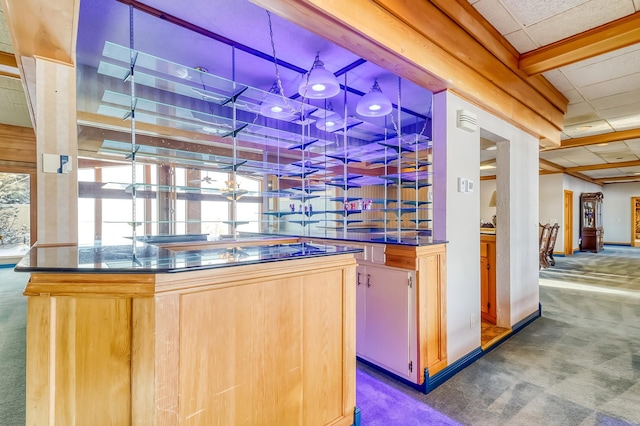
(604, 166)
(622, 179)
(596, 139)
(605, 38)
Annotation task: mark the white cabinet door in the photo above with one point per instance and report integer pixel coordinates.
(361, 286)
(387, 319)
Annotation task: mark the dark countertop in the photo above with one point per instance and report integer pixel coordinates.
(152, 259)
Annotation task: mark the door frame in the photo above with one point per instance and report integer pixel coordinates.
(568, 222)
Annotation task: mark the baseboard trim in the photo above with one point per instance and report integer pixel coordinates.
(449, 371)
(356, 417)
(430, 383)
(8, 265)
(618, 244)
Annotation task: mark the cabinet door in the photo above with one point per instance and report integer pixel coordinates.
(387, 330)
(361, 285)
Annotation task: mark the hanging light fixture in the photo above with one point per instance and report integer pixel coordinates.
(274, 106)
(331, 121)
(318, 83)
(375, 103)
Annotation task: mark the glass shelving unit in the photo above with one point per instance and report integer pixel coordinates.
(363, 177)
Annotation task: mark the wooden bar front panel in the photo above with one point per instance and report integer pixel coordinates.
(257, 344)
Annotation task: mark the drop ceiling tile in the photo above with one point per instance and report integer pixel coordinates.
(614, 67)
(521, 41)
(608, 147)
(636, 4)
(559, 153)
(529, 12)
(634, 145)
(603, 57)
(497, 15)
(588, 129)
(573, 96)
(583, 17)
(618, 157)
(620, 99)
(625, 123)
(580, 113)
(629, 170)
(559, 80)
(611, 87)
(620, 111)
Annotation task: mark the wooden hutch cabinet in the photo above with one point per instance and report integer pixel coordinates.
(591, 232)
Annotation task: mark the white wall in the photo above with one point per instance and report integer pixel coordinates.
(457, 218)
(616, 211)
(552, 204)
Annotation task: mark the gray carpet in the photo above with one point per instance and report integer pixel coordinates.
(13, 318)
(577, 365)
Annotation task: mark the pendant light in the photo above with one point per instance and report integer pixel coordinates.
(318, 83)
(274, 105)
(375, 103)
(331, 121)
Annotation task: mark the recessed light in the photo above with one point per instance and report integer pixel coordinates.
(583, 128)
(487, 167)
(603, 144)
(491, 148)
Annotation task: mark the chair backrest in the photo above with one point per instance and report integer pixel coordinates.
(545, 233)
(552, 237)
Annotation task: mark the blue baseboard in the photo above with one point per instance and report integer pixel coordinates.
(449, 371)
(356, 417)
(8, 265)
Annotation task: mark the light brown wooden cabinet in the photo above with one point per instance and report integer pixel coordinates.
(488, 277)
(270, 344)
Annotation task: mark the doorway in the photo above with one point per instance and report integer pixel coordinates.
(15, 216)
(568, 222)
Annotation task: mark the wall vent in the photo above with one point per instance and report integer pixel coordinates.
(467, 120)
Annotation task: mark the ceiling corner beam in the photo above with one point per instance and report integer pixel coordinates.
(551, 167)
(597, 41)
(621, 179)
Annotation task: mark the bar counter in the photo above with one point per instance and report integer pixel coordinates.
(196, 332)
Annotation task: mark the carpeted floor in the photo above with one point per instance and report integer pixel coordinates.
(577, 365)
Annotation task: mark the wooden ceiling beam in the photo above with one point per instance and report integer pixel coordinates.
(472, 21)
(604, 166)
(552, 167)
(597, 139)
(597, 41)
(602, 181)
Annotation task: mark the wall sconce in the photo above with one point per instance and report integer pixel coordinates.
(318, 83)
(375, 103)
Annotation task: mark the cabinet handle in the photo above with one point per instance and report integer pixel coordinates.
(358, 280)
(368, 280)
